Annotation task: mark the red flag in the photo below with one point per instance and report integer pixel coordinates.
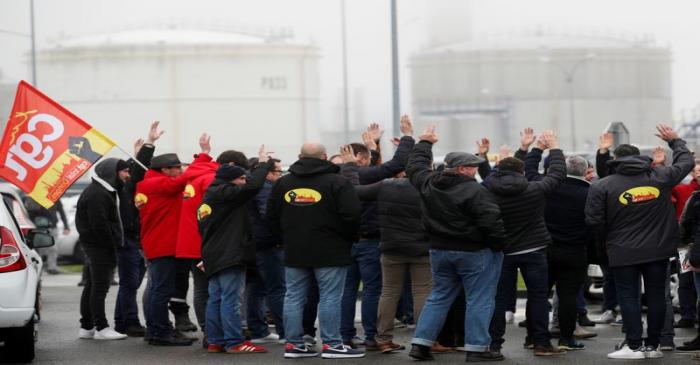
(45, 147)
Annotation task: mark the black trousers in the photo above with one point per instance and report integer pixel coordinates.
(567, 270)
(178, 303)
(102, 261)
(452, 333)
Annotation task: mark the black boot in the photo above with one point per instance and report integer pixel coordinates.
(484, 356)
(183, 323)
(420, 352)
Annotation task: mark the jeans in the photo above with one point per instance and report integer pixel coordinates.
(267, 285)
(475, 271)
(132, 269)
(223, 322)
(393, 274)
(161, 278)
(367, 268)
(686, 296)
(330, 284)
(533, 266)
(628, 287)
(92, 301)
(452, 333)
(567, 269)
(609, 289)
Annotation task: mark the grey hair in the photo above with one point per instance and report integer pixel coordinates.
(576, 166)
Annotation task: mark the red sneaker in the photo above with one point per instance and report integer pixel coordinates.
(215, 348)
(246, 348)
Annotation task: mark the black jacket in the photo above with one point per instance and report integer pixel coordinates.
(632, 209)
(458, 213)
(369, 223)
(97, 215)
(224, 222)
(400, 215)
(522, 204)
(564, 210)
(127, 209)
(318, 213)
(265, 237)
(690, 229)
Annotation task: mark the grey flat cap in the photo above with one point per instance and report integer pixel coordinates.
(456, 159)
(165, 160)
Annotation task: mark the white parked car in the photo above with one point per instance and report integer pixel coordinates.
(20, 281)
(69, 244)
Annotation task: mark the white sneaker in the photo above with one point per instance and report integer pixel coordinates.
(86, 334)
(510, 317)
(609, 316)
(272, 337)
(653, 352)
(109, 334)
(625, 353)
(460, 349)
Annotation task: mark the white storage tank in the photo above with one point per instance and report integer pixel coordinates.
(495, 88)
(242, 89)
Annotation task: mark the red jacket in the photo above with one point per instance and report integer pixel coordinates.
(189, 241)
(159, 200)
(680, 195)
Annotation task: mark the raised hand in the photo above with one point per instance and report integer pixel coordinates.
(205, 143)
(659, 156)
(504, 152)
(375, 132)
(549, 138)
(406, 126)
(263, 156)
(347, 154)
(429, 135)
(665, 132)
(154, 133)
(605, 142)
(527, 138)
(137, 146)
(483, 146)
(369, 141)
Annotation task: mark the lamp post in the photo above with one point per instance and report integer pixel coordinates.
(569, 74)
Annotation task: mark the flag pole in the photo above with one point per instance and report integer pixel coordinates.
(132, 157)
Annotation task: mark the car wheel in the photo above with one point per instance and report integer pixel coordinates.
(78, 253)
(20, 343)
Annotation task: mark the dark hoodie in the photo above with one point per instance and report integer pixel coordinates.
(97, 215)
(318, 213)
(458, 213)
(522, 204)
(632, 209)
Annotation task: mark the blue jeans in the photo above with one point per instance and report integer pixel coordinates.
(535, 271)
(223, 321)
(628, 289)
(478, 273)
(366, 267)
(268, 285)
(162, 280)
(132, 269)
(330, 284)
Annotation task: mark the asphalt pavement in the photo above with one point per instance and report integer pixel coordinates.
(58, 342)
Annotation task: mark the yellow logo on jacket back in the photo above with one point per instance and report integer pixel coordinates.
(189, 192)
(302, 196)
(140, 200)
(203, 212)
(639, 195)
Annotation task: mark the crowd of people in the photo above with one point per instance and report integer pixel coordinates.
(435, 242)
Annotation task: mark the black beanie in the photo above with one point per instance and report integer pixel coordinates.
(121, 165)
(229, 172)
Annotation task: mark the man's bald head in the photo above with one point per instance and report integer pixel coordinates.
(313, 150)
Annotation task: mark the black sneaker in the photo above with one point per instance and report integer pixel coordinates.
(571, 344)
(341, 352)
(522, 324)
(135, 330)
(584, 321)
(184, 324)
(420, 352)
(295, 352)
(169, 341)
(484, 356)
(684, 323)
(691, 346)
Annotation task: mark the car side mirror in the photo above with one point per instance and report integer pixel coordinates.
(40, 238)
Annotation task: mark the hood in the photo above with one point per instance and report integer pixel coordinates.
(105, 174)
(447, 180)
(631, 165)
(507, 183)
(312, 166)
(204, 167)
